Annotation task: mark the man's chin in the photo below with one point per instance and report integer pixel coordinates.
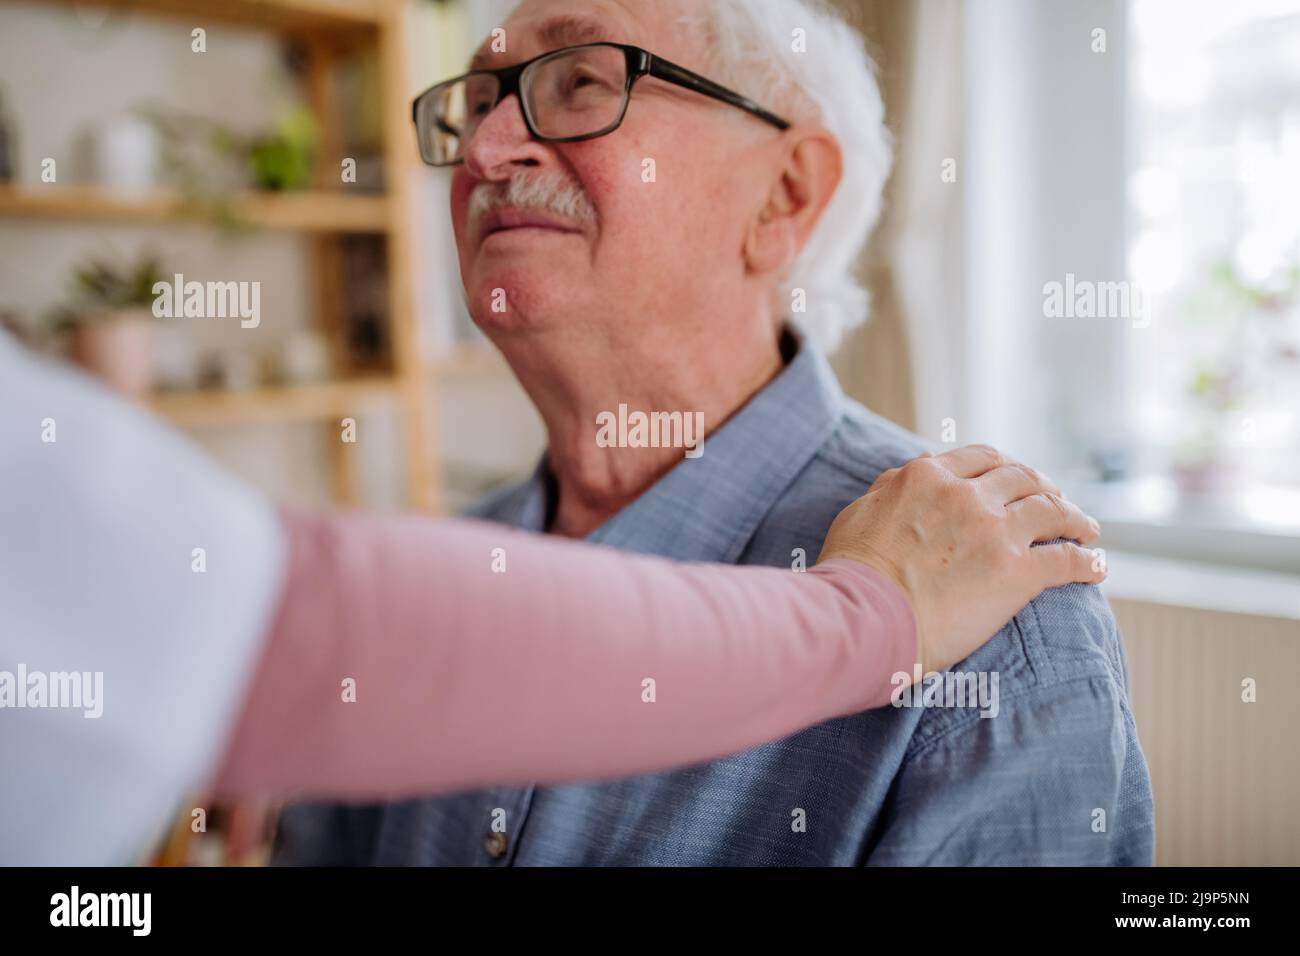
(514, 298)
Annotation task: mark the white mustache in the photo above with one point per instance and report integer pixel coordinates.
(528, 190)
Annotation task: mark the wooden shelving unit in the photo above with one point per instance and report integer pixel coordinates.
(328, 31)
(308, 211)
(295, 403)
(341, 18)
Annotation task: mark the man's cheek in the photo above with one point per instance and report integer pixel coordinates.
(459, 222)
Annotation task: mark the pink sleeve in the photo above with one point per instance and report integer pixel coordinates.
(566, 662)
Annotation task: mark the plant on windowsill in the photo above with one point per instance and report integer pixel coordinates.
(1244, 329)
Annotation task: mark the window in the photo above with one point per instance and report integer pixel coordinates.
(1214, 216)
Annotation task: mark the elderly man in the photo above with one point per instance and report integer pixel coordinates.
(634, 233)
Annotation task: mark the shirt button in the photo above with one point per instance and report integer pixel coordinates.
(496, 844)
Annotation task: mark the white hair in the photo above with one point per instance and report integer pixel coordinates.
(754, 46)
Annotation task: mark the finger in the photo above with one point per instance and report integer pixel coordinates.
(1067, 563)
(970, 461)
(1045, 517)
(1013, 481)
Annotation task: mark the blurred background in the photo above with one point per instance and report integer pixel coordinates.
(1150, 146)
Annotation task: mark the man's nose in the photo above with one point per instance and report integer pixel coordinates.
(501, 143)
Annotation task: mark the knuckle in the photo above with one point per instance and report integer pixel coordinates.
(919, 469)
(884, 478)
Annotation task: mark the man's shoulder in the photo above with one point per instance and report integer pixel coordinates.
(501, 503)
(863, 444)
(856, 451)
(1064, 633)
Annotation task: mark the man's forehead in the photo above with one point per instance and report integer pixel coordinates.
(541, 25)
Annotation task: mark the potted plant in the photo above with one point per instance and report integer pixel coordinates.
(1203, 462)
(282, 160)
(110, 324)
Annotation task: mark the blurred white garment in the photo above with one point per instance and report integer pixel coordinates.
(103, 608)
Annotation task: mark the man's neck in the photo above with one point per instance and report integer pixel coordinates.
(575, 387)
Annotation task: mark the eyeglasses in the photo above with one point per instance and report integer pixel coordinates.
(567, 95)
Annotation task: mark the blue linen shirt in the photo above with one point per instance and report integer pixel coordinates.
(1056, 777)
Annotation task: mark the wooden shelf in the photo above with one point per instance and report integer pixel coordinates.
(308, 211)
(320, 16)
(287, 403)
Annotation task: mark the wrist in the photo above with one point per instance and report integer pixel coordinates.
(883, 599)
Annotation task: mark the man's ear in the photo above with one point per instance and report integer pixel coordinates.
(811, 171)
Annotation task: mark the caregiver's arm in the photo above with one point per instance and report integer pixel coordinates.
(129, 559)
(550, 660)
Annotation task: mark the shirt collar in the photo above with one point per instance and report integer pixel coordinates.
(708, 508)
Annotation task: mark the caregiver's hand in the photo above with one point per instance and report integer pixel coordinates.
(954, 532)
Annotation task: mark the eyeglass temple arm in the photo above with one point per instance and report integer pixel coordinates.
(672, 73)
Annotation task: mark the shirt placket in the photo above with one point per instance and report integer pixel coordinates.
(500, 846)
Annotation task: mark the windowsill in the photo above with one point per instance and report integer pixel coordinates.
(1140, 577)
(1238, 553)
(1257, 527)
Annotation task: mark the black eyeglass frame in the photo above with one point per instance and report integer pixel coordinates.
(639, 63)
